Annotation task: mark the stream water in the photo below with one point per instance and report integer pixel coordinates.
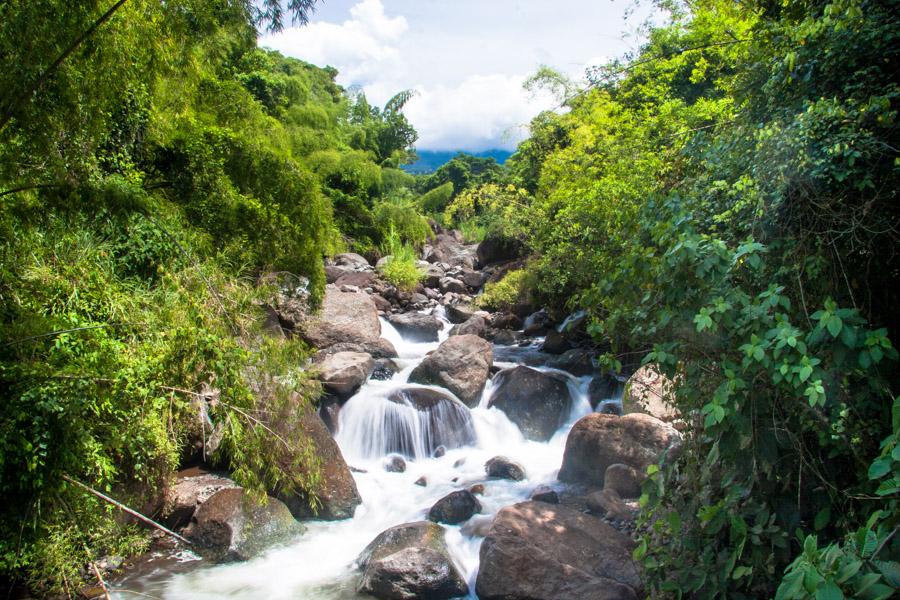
(320, 563)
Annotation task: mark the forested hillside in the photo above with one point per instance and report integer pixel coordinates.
(722, 204)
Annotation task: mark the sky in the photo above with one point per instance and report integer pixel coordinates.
(465, 59)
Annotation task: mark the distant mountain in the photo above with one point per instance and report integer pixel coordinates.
(430, 160)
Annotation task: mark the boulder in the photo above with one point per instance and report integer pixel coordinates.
(604, 387)
(476, 325)
(544, 493)
(381, 303)
(649, 391)
(453, 285)
(445, 248)
(623, 480)
(432, 275)
(377, 348)
(536, 323)
(505, 337)
(230, 525)
(442, 420)
(461, 364)
(336, 496)
(608, 503)
(598, 441)
(506, 321)
(540, 551)
(345, 317)
(359, 279)
(473, 279)
(342, 373)
(454, 508)
(410, 561)
(416, 327)
(352, 260)
(188, 493)
(501, 467)
(555, 343)
(577, 361)
(334, 272)
(538, 403)
(496, 248)
(459, 313)
(385, 368)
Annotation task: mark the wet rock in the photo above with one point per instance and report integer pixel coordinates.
(461, 364)
(501, 467)
(459, 313)
(345, 317)
(454, 508)
(477, 526)
(538, 403)
(610, 504)
(336, 496)
(555, 343)
(598, 441)
(343, 373)
(543, 493)
(505, 337)
(442, 420)
(506, 321)
(476, 325)
(230, 526)
(385, 368)
(578, 362)
(439, 452)
(623, 480)
(536, 323)
(410, 561)
(418, 299)
(395, 464)
(496, 248)
(329, 411)
(422, 481)
(453, 285)
(540, 551)
(188, 493)
(416, 327)
(459, 462)
(478, 489)
(352, 260)
(604, 387)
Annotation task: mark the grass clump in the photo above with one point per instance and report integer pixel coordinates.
(401, 269)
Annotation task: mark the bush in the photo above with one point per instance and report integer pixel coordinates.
(506, 293)
(401, 269)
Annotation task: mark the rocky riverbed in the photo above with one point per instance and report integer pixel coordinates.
(465, 454)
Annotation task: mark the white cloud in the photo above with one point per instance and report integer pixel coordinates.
(467, 59)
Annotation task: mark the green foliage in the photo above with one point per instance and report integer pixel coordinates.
(435, 201)
(402, 267)
(463, 171)
(506, 293)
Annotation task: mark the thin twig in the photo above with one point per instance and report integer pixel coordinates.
(100, 579)
(124, 508)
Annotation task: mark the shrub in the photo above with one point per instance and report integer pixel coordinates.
(506, 293)
(401, 268)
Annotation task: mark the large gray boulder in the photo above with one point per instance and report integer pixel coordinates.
(345, 317)
(342, 373)
(541, 551)
(459, 313)
(416, 327)
(461, 364)
(188, 493)
(410, 561)
(352, 260)
(231, 526)
(538, 403)
(442, 421)
(476, 325)
(600, 440)
(335, 496)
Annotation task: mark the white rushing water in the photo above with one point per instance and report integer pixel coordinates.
(320, 564)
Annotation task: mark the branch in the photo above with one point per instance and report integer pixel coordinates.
(39, 82)
(130, 511)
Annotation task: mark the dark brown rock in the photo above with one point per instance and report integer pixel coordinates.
(624, 480)
(543, 493)
(540, 551)
(598, 441)
(501, 467)
(461, 364)
(188, 493)
(538, 403)
(454, 508)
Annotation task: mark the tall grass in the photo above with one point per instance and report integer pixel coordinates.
(401, 268)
